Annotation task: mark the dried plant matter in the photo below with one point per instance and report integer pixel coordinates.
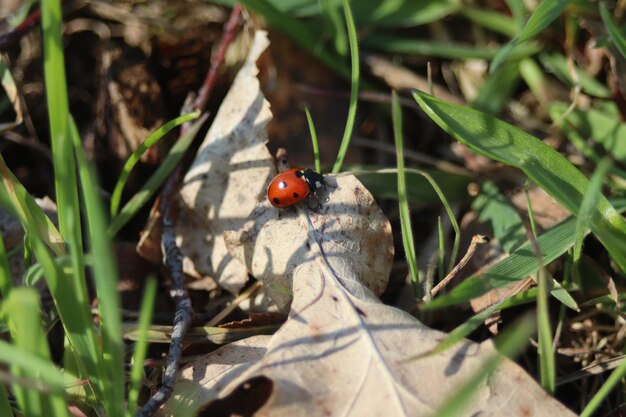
(354, 233)
(341, 352)
(227, 178)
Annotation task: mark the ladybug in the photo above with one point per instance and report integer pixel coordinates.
(293, 185)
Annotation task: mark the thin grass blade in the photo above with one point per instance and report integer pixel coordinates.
(541, 18)
(111, 365)
(405, 216)
(132, 160)
(354, 87)
(313, 132)
(617, 36)
(15, 198)
(141, 346)
(152, 185)
(20, 310)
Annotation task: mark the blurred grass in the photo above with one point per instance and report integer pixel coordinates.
(405, 217)
(542, 164)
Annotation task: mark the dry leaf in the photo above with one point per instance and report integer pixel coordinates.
(355, 235)
(342, 352)
(402, 78)
(228, 178)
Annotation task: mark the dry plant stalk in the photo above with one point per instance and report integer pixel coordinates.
(476, 240)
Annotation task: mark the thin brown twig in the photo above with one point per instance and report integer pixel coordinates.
(10, 38)
(171, 252)
(227, 38)
(476, 240)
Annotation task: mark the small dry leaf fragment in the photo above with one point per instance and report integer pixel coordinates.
(355, 235)
(227, 178)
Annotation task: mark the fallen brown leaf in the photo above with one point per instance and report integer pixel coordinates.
(227, 178)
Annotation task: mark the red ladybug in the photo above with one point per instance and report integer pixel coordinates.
(293, 185)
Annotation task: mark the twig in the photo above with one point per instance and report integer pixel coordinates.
(11, 37)
(476, 240)
(171, 252)
(229, 35)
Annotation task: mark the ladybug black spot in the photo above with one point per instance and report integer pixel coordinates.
(299, 174)
(276, 200)
(296, 195)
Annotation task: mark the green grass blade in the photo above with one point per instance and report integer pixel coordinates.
(56, 380)
(518, 11)
(442, 250)
(474, 322)
(496, 21)
(455, 225)
(62, 157)
(141, 346)
(546, 354)
(540, 19)
(592, 194)
(15, 198)
(531, 213)
(331, 11)
(416, 173)
(384, 185)
(615, 33)
(111, 365)
(20, 310)
(313, 132)
(543, 165)
(75, 315)
(10, 97)
(510, 343)
(354, 87)
(6, 282)
(150, 188)
(405, 217)
(449, 50)
(402, 13)
(116, 196)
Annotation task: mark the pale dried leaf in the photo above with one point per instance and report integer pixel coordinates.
(355, 235)
(402, 78)
(342, 352)
(344, 355)
(228, 178)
